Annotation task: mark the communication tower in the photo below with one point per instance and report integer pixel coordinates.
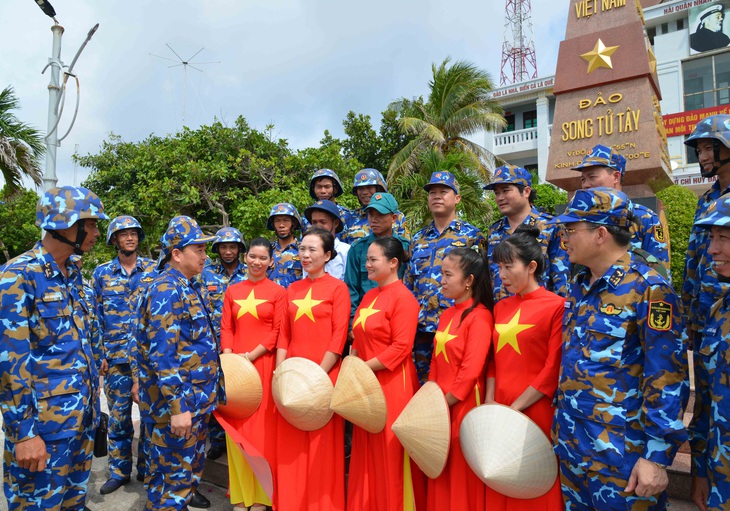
(518, 49)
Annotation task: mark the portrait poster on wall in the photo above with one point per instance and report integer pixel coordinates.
(708, 28)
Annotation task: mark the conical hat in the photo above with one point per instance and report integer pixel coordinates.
(508, 451)
(243, 386)
(358, 396)
(424, 429)
(302, 393)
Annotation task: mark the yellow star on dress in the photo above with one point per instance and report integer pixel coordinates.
(508, 332)
(364, 314)
(600, 56)
(305, 306)
(248, 306)
(442, 337)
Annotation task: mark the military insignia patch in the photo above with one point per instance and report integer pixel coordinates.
(659, 233)
(617, 276)
(212, 287)
(52, 296)
(147, 280)
(610, 309)
(660, 316)
(458, 243)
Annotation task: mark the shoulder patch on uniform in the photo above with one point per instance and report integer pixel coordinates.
(610, 309)
(617, 276)
(660, 315)
(659, 233)
(458, 243)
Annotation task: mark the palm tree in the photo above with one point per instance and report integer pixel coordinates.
(459, 105)
(413, 199)
(21, 146)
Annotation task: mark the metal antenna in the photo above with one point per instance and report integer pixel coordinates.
(184, 64)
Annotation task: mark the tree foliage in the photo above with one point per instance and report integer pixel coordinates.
(18, 232)
(680, 204)
(21, 146)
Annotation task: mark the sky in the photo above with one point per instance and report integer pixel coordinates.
(300, 65)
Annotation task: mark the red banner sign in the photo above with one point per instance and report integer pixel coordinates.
(683, 123)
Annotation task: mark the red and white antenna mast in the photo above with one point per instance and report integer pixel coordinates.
(518, 50)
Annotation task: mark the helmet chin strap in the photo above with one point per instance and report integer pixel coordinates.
(717, 164)
(80, 237)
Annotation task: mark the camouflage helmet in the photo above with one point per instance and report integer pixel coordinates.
(181, 232)
(284, 209)
(717, 129)
(328, 207)
(60, 208)
(717, 214)
(600, 205)
(325, 173)
(121, 223)
(229, 235)
(510, 175)
(445, 178)
(369, 177)
(603, 156)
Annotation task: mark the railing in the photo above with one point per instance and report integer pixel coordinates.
(519, 136)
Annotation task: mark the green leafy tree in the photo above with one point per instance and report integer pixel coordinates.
(18, 232)
(373, 149)
(679, 205)
(459, 105)
(21, 146)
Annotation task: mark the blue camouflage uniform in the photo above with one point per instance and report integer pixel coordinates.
(50, 380)
(423, 274)
(623, 381)
(556, 277)
(118, 295)
(287, 267)
(710, 429)
(647, 231)
(179, 372)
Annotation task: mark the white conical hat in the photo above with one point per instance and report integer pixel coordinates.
(424, 429)
(302, 393)
(508, 451)
(243, 386)
(358, 396)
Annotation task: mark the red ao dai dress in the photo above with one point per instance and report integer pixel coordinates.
(527, 347)
(382, 477)
(458, 365)
(311, 464)
(252, 315)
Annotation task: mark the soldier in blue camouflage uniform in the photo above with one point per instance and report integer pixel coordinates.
(514, 195)
(603, 166)
(367, 183)
(284, 220)
(117, 287)
(709, 428)
(702, 287)
(179, 369)
(326, 185)
(428, 248)
(623, 381)
(49, 379)
(216, 277)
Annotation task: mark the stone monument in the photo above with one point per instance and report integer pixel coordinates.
(607, 92)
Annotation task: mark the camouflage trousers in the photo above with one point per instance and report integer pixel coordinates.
(217, 434)
(587, 490)
(62, 486)
(175, 465)
(118, 390)
(422, 350)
